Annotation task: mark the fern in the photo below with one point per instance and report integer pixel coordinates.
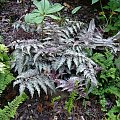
(114, 113)
(106, 63)
(5, 76)
(5, 79)
(70, 103)
(109, 83)
(61, 52)
(113, 90)
(10, 110)
(34, 81)
(87, 36)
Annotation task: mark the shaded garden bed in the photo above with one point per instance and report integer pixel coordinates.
(42, 108)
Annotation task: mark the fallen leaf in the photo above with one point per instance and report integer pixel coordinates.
(39, 107)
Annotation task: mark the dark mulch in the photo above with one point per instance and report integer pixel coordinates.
(41, 108)
(12, 12)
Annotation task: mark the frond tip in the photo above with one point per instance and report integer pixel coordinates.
(10, 110)
(34, 83)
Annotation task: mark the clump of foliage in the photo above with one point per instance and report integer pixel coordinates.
(10, 110)
(110, 15)
(70, 103)
(5, 76)
(109, 82)
(117, 63)
(30, 68)
(114, 112)
(61, 53)
(43, 10)
(39, 60)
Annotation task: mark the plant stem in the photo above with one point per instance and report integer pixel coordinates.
(104, 14)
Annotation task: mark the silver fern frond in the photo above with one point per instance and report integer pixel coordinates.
(34, 82)
(72, 83)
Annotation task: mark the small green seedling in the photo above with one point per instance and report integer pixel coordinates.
(43, 9)
(55, 99)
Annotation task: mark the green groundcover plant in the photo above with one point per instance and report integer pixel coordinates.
(5, 76)
(43, 9)
(10, 110)
(109, 83)
(110, 15)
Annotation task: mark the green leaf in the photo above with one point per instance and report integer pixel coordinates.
(34, 18)
(117, 10)
(54, 8)
(45, 5)
(118, 103)
(106, 7)
(2, 67)
(39, 6)
(30, 17)
(75, 9)
(36, 11)
(108, 28)
(94, 1)
(54, 17)
(111, 73)
(113, 90)
(38, 20)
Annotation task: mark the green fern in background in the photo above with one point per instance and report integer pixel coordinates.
(10, 110)
(109, 83)
(5, 79)
(70, 103)
(5, 76)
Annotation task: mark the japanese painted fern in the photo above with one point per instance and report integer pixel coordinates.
(61, 56)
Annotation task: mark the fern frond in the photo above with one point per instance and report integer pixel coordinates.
(10, 110)
(69, 84)
(27, 74)
(36, 86)
(69, 62)
(60, 62)
(76, 61)
(5, 79)
(70, 103)
(33, 82)
(5, 76)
